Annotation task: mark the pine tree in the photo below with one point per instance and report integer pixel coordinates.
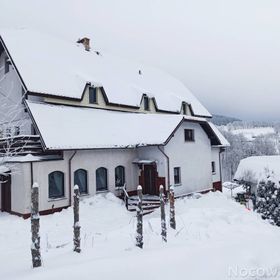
(268, 201)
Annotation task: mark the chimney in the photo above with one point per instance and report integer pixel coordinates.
(86, 42)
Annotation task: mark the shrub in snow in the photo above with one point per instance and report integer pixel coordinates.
(268, 201)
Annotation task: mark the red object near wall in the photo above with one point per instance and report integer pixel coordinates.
(217, 186)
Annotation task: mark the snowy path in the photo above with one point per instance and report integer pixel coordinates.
(213, 234)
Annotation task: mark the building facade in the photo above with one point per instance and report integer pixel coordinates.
(71, 116)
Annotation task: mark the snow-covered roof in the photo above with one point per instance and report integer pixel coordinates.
(223, 141)
(4, 169)
(57, 67)
(31, 158)
(67, 127)
(254, 169)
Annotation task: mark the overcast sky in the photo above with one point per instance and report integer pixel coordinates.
(226, 52)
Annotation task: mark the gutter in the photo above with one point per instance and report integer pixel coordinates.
(168, 166)
(70, 177)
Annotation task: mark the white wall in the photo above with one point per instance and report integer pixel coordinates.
(194, 159)
(88, 160)
(110, 159)
(11, 96)
(215, 157)
(153, 153)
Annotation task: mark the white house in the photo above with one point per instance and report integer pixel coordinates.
(85, 117)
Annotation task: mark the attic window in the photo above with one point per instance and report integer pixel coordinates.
(184, 108)
(189, 135)
(93, 95)
(7, 65)
(146, 101)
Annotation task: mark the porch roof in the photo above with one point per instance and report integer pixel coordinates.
(71, 128)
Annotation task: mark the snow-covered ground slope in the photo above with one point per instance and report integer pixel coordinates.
(254, 169)
(215, 236)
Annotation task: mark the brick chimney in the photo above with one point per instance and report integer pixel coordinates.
(86, 42)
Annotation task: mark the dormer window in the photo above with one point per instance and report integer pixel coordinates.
(146, 101)
(7, 65)
(184, 107)
(93, 95)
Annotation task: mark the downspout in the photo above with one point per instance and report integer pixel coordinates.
(31, 173)
(70, 177)
(168, 166)
(220, 166)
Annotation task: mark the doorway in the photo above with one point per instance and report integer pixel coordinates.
(149, 182)
(6, 195)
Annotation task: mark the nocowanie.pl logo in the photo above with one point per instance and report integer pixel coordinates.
(254, 273)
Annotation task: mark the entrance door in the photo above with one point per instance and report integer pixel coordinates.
(6, 195)
(149, 180)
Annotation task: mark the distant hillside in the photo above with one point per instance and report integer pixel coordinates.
(223, 120)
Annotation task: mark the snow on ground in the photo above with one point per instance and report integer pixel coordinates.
(251, 133)
(214, 236)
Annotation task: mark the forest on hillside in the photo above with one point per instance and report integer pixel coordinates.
(248, 138)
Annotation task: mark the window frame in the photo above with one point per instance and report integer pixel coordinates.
(7, 65)
(123, 176)
(213, 167)
(86, 180)
(106, 172)
(179, 182)
(90, 100)
(62, 195)
(187, 139)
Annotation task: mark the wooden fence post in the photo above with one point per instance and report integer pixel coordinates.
(139, 231)
(35, 226)
(172, 208)
(162, 212)
(77, 228)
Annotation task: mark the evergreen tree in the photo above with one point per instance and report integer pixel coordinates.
(268, 201)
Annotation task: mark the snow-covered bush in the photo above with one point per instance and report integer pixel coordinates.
(268, 201)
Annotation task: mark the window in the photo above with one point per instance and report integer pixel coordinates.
(56, 184)
(93, 95)
(146, 101)
(17, 130)
(8, 132)
(7, 65)
(177, 175)
(80, 179)
(101, 179)
(184, 105)
(119, 176)
(189, 135)
(213, 164)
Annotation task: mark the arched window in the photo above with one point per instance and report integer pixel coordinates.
(101, 179)
(80, 179)
(119, 176)
(56, 184)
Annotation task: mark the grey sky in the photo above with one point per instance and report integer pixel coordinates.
(226, 52)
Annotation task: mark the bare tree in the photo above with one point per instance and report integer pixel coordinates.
(13, 123)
